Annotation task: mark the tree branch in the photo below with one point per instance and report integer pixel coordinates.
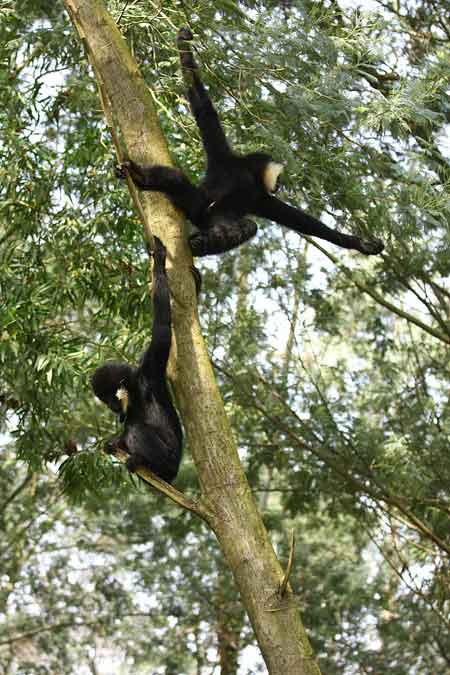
(378, 491)
(16, 492)
(64, 624)
(379, 298)
(164, 488)
(236, 521)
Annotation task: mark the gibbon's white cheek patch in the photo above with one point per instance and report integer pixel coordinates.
(271, 173)
(122, 395)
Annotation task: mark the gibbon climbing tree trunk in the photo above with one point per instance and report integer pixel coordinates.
(226, 502)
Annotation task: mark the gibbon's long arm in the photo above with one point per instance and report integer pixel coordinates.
(213, 136)
(299, 221)
(169, 180)
(155, 359)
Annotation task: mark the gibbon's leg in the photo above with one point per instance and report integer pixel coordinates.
(165, 179)
(156, 458)
(213, 136)
(299, 221)
(225, 232)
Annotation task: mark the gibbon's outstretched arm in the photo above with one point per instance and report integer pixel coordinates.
(213, 136)
(155, 359)
(299, 221)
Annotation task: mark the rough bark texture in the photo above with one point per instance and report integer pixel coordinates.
(232, 510)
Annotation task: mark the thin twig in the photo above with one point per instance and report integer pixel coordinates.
(123, 12)
(289, 567)
(16, 492)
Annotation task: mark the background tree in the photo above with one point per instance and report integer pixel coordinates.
(333, 369)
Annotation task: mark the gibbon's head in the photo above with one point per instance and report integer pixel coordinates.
(111, 384)
(268, 169)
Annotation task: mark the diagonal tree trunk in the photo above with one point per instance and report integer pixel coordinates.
(228, 504)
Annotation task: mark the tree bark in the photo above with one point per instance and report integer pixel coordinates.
(232, 511)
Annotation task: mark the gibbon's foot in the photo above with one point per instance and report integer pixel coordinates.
(197, 280)
(184, 34)
(121, 170)
(371, 246)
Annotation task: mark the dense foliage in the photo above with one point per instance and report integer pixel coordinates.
(334, 368)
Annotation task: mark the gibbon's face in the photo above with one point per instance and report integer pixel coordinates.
(271, 173)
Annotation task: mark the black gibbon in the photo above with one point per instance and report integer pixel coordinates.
(234, 185)
(152, 432)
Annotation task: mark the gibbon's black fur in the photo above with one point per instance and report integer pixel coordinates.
(152, 432)
(234, 185)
